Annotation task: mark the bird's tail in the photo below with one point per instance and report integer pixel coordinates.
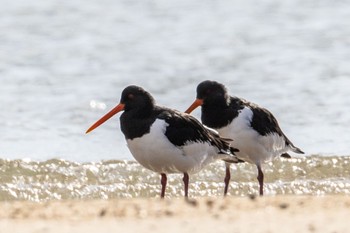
(232, 158)
(296, 150)
(292, 147)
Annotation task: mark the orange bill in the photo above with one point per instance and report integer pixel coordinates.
(111, 113)
(196, 103)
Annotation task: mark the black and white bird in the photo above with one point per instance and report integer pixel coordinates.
(254, 130)
(165, 140)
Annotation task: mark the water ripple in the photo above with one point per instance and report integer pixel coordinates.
(60, 179)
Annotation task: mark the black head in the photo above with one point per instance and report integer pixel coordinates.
(134, 101)
(212, 92)
(135, 97)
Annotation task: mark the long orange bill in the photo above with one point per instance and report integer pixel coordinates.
(196, 103)
(111, 113)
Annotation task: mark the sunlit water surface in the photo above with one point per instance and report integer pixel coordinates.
(59, 179)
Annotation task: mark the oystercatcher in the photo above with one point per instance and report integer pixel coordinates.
(255, 130)
(165, 140)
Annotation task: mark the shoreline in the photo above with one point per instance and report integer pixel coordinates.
(231, 214)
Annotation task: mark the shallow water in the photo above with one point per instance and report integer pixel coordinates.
(60, 179)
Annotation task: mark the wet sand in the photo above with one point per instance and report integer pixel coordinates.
(232, 214)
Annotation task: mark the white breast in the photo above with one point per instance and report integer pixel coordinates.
(254, 148)
(155, 152)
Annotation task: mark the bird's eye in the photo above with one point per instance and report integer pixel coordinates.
(131, 96)
(208, 91)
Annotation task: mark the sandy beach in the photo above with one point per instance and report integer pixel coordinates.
(232, 214)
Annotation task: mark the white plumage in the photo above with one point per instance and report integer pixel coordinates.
(253, 147)
(161, 156)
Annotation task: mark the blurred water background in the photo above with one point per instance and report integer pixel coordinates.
(63, 64)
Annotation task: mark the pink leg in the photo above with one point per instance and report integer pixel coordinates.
(261, 180)
(163, 182)
(185, 180)
(227, 178)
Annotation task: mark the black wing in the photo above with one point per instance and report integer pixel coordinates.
(183, 128)
(265, 123)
